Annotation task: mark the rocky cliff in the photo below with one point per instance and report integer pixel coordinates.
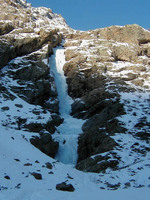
(102, 65)
(108, 77)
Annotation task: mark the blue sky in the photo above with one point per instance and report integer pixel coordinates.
(92, 14)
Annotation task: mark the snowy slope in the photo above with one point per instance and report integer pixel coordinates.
(22, 185)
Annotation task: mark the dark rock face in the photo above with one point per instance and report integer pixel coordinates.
(57, 119)
(79, 86)
(25, 46)
(36, 127)
(78, 109)
(65, 187)
(103, 112)
(34, 83)
(92, 143)
(36, 76)
(100, 110)
(46, 144)
(97, 164)
(96, 137)
(32, 71)
(4, 49)
(95, 142)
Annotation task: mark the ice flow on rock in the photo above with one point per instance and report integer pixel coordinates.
(67, 133)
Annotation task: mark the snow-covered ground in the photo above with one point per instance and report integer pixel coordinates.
(18, 159)
(16, 153)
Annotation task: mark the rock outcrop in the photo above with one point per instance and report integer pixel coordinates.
(27, 38)
(23, 30)
(46, 144)
(100, 65)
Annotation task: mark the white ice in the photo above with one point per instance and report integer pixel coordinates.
(68, 132)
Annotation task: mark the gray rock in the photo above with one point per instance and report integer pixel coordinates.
(36, 175)
(5, 108)
(7, 177)
(49, 165)
(65, 187)
(19, 105)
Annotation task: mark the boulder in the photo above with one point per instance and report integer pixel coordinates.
(65, 187)
(34, 127)
(49, 165)
(7, 177)
(36, 175)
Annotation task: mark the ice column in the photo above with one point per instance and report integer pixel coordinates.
(67, 133)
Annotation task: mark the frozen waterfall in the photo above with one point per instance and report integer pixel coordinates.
(67, 133)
